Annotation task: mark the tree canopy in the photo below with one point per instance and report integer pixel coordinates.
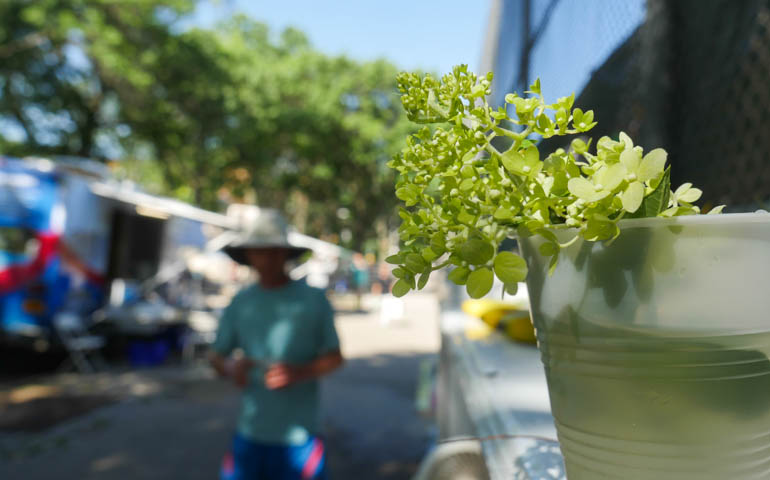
(226, 114)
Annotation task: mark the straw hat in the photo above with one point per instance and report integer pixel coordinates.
(265, 228)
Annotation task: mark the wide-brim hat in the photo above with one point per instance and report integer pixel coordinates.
(263, 228)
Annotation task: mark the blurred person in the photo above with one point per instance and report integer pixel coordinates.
(285, 332)
(360, 274)
(383, 278)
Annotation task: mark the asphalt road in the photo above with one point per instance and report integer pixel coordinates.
(175, 422)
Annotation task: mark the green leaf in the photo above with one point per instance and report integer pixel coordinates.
(579, 146)
(689, 195)
(692, 195)
(510, 268)
(476, 251)
(433, 187)
(549, 249)
(478, 91)
(465, 218)
(652, 165)
(401, 288)
(682, 188)
(513, 161)
(597, 229)
(547, 234)
(531, 156)
(435, 106)
(630, 159)
(399, 272)
(716, 210)
(610, 177)
(396, 259)
(566, 102)
(626, 140)
(535, 87)
(408, 194)
(438, 244)
(552, 264)
(657, 201)
(583, 189)
(468, 157)
(561, 117)
(466, 185)
(414, 262)
(632, 197)
(503, 213)
(479, 282)
(424, 278)
(526, 164)
(666, 192)
(577, 116)
(499, 115)
(459, 275)
(429, 255)
(524, 105)
(543, 122)
(511, 288)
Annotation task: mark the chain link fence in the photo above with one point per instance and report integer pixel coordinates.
(690, 76)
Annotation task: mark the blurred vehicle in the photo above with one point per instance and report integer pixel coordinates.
(73, 239)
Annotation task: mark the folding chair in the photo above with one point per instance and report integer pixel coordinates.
(78, 342)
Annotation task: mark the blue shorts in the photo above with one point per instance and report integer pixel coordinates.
(258, 461)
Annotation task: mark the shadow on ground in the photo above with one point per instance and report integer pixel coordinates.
(164, 423)
(373, 429)
(176, 422)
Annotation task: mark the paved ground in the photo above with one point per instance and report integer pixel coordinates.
(175, 422)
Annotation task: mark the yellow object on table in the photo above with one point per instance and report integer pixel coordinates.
(511, 317)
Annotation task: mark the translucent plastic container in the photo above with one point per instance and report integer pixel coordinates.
(656, 349)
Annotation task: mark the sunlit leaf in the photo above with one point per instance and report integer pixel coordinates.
(716, 210)
(610, 177)
(656, 201)
(479, 282)
(459, 275)
(585, 190)
(476, 251)
(510, 268)
(632, 197)
(626, 140)
(691, 195)
(652, 165)
(630, 159)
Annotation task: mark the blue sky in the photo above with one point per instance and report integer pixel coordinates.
(431, 35)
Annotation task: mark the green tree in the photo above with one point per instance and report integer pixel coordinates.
(55, 56)
(210, 116)
(318, 126)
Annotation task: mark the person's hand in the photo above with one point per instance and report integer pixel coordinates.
(238, 369)
(281, 375)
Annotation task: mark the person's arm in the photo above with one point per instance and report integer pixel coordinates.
(281, 375)
(218, 362)
(225, 343)
(236, 369)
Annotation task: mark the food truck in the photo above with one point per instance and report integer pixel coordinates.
(73, 238)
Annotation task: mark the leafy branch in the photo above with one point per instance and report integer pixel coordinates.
(463, 196)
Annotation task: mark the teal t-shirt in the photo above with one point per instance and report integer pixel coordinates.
(293, 324)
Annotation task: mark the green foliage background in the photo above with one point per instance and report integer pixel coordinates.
(232, 113)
